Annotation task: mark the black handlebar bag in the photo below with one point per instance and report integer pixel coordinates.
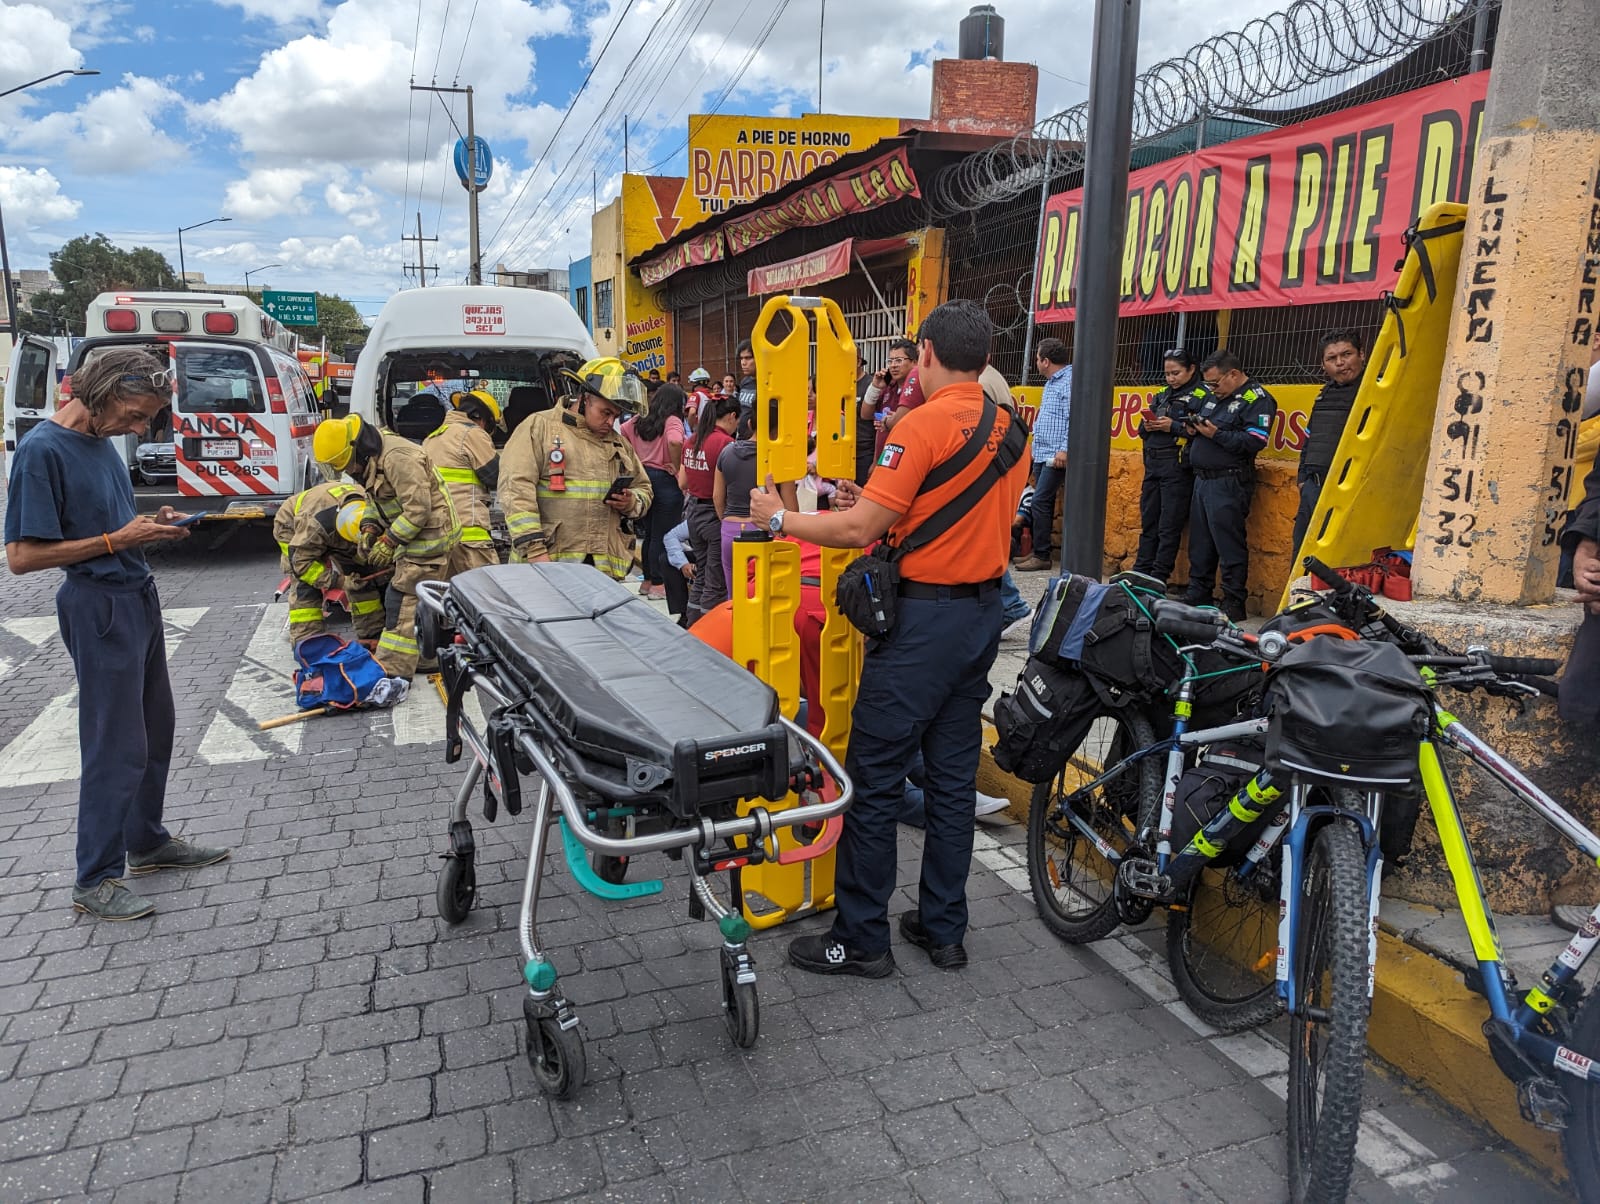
(1347, 713)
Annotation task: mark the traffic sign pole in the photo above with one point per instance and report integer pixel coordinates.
(475, 265)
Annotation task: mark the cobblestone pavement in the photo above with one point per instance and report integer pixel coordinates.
(297, 1023)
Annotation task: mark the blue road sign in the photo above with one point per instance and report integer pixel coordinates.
(483, 165)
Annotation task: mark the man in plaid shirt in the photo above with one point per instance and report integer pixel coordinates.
(1049, 449)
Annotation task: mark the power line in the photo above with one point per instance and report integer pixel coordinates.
(411, 107)
(571, 104)
(471, 20)
(694, 87)
(439, 53)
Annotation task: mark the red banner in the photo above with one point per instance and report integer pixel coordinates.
(883, 181)
(1300, 215)
(801, 272)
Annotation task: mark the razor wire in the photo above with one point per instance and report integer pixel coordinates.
(1288, 55)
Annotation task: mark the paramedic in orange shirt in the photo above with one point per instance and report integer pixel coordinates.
(922, 685)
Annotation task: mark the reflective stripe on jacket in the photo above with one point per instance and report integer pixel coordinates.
(457, 450)
(307, 532)
(412, 499)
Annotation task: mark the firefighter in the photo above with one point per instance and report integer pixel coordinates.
(319, 532)
(1168, 480)
(558, 471)
(414, 528)
(1225, 436)
(467, 461)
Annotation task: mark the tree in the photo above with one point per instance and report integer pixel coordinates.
(337, 320)
(90, 265)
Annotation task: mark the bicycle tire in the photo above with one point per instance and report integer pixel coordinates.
(1075, 899)
(1225, 974)
(1581, 1141)
(1330, 1053)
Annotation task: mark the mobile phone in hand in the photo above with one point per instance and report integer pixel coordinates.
(190, 520)
(619, 486)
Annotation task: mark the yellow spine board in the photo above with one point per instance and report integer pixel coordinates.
(783, 379)
(839, 667)
(1374, 488)
(836, 394)
(764, 640)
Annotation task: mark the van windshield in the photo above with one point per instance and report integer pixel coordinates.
(219, 380)
(415, 387)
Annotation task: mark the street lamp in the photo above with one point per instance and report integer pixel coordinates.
(183, 275)
(253, 271)
(7, 292)
(52, 75)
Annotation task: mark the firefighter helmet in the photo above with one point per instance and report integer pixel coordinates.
(611, 379)
(479, 405)
(348, 524)
(337, 441)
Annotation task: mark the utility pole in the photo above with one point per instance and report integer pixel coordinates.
(624, 144)
(422, 268)
(1105, 219)
(475, 255)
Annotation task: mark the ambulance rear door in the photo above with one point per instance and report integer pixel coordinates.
(30, 394)
(230, 422)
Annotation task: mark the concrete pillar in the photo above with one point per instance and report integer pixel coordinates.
(1503, 441)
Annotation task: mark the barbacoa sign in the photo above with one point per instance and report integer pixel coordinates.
(1300, 215)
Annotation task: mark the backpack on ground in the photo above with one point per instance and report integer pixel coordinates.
(333, 672)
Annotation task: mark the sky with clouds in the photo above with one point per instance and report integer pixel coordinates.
(295, 120)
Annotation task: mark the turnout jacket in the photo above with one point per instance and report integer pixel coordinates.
(466, 460)
(306, 528)
(572, 522)
(412, 499)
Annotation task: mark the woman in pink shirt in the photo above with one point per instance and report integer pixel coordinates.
(658, 436)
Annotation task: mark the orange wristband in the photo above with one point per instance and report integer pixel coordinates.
(110, 551)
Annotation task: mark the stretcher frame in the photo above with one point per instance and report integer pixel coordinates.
(524, 742)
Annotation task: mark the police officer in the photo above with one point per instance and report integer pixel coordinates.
(319, 533)
(464, 455)
(414, 529)
(923, 685)
(1343, 361)
(1226, 435)
(1168, 481)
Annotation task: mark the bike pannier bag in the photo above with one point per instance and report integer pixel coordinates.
(1204, 790)
(1044, 720)
(1347, 713)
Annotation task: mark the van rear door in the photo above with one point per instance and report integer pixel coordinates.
(221, 423)
(30, 395)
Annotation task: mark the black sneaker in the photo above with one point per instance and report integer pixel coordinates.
(946, 957)
(822, 954)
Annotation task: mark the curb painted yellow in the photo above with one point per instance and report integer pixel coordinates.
(1425, 1022)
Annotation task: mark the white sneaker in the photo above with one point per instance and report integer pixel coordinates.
(988, 804)
(1018, 628)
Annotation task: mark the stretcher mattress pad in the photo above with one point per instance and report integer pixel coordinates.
(622, 683)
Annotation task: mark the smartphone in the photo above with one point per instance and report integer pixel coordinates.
(192, 519)
(618, 486)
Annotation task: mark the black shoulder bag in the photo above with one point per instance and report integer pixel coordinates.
(868, 589)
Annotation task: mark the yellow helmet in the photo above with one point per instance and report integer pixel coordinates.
(610, 378)
(463, 402)
(335, 441)
(348, 523)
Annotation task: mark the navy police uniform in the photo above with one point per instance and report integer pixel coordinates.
(1168, 480)
(1225, 480)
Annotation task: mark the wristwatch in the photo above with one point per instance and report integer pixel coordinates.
(775, 523)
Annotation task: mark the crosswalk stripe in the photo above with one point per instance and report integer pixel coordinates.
(35, 630)
(47, 749)
(260, 688)
(420, 718)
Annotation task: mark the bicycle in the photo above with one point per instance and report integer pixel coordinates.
(1545, 1039)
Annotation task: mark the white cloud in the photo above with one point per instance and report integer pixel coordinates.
(268, 192)
(33, 197)
(36, 42)
(115, 130)
(280, 12)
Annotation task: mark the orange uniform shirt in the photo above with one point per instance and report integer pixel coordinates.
(978, 547)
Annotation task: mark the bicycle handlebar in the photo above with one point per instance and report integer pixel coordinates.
(1191, 624)
(1528, 666)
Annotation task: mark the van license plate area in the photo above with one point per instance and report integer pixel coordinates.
(219, 449)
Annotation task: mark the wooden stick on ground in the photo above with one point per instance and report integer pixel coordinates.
(285, 720)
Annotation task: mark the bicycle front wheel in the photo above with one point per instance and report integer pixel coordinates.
(1328, 1035)
(1581, 1140)
(1071, 878)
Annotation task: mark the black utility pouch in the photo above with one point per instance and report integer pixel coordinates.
(868, 593)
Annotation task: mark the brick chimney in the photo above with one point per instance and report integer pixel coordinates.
(984, 96)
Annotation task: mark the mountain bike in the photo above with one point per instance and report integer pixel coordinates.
(1545, 1039)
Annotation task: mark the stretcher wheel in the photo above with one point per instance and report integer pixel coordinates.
(741, 1009)
(458, 888)
(555, 1054)
(610, 869)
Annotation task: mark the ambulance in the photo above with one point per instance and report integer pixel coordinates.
(235, 439)
(510, 342)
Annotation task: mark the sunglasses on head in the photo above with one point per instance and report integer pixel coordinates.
(161, 378)
(1174, 353)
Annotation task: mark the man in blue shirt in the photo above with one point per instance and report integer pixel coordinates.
(1049, 449)
(70, 506)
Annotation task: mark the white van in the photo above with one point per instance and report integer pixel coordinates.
(236, 439)
(511, 342)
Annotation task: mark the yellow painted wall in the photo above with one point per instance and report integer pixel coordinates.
(640, 331)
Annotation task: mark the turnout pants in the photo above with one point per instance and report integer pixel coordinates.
(473, 555)
(305, 610)
(709, 588)
(397, 646)
(922, 690)
(1163, 514)
(1217, 537)
(125, 721)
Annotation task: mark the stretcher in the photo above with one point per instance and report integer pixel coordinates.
(641, 739)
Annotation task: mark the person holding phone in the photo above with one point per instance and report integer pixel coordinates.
(1168, 480)
(735, 478)
(70, 506)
